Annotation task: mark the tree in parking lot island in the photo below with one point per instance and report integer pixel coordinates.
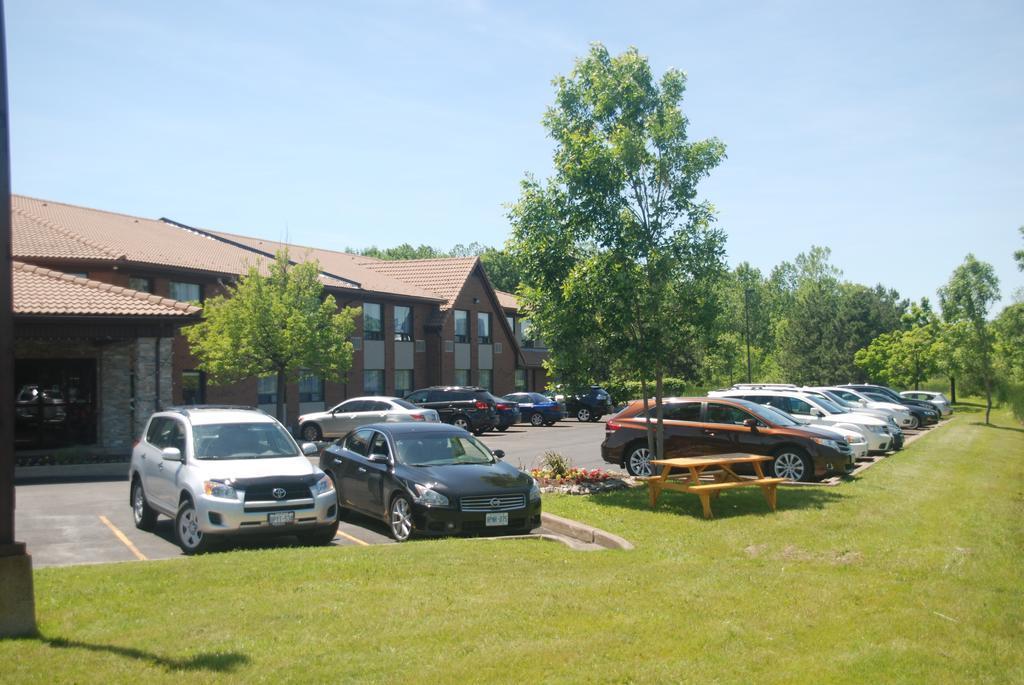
(966, 299)
(618, 259)
(278, 324)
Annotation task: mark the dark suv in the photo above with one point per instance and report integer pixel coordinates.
(588, 405)
(698, 426)
(467, 407)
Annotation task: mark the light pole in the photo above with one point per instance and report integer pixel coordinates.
(746, 327)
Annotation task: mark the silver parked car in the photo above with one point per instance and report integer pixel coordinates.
(359, 411)
(936, 398)
(226, 471)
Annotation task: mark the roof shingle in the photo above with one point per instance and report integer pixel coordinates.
(46, 292)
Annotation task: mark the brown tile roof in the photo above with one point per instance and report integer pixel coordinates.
(507, 300)
(46, 292)
(361, 269)
(444, 277)
(43, 229)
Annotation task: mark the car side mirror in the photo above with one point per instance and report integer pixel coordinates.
(309, 449)
(500, 454)
(751, 424)
(380, 459)
(817, 412)
(171, 454)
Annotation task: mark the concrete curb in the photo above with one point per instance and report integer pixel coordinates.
(583, 532)
(69, 472)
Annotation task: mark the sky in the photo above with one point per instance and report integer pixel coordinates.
(890, 132)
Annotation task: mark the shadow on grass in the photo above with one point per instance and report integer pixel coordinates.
(1002, 428)
(737, 502)
(220, 662)
(968, 408)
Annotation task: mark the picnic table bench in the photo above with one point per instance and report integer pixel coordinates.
(723, 477)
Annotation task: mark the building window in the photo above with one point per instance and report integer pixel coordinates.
(526, 335)
(403, 382)
(373, 382)
(141, 283)
(373, 323)
(266, 390)
(461, 376)
(186, 292)
(483, 328)
(521, 379)
(311, 388)
(403, 324)
(511, 322)
(193, 387)
(486, 379)
(461, 326)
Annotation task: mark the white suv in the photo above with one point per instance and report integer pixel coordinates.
(220, 471)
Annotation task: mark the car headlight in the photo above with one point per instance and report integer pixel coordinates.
(325, 484)
(827, 443)
(220, 488)
(426, 494)
(854, 438)
(534, 492)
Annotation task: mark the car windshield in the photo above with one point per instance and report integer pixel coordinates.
(262, 440)
(827, 404)
(441, 450)
(773, 416)
(839, 400)
(537, 397)
(403, 404)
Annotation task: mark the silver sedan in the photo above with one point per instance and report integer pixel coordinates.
(351, 414)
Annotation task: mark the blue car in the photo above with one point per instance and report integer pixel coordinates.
(508, 413)
(537, 409)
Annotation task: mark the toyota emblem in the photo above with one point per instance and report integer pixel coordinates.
(495, 503)
(278, 493)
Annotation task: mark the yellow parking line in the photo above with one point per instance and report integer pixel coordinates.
(352, 539)
(123, 538)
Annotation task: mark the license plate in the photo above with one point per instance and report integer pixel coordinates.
(496, 519)
(280, 518)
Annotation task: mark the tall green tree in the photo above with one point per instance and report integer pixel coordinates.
(617, 255)
(809, 350)
(278, 324)
(907, 356)
(967, 297)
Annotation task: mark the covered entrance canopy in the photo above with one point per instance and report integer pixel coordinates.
(92, 360)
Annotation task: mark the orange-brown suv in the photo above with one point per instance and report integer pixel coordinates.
(696, 426)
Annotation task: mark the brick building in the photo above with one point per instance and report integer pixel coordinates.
(424, 322)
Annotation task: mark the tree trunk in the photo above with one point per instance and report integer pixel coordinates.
(952, 390)
(647, 424)
(281, 387)
(659, 392)
(988, 399)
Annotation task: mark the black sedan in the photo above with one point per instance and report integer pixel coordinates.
(431, 479)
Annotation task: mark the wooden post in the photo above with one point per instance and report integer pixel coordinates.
(17, 601)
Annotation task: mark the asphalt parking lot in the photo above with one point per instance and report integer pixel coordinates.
(91, 522)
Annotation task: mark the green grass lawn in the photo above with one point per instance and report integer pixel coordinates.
(911, 573)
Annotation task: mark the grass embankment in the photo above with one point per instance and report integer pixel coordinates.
(912, 573)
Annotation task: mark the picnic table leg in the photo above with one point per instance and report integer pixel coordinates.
(653, 489)
(705, 501)
(769, 494)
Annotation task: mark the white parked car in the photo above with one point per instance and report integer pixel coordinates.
(936, 398)
(359, 411)
(818, 411)
(898, 414)
(855, 398)
(225, 471)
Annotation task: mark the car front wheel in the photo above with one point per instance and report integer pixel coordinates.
(793, 464)
(312, 433)
(536, 419)
(638, 461)
(914, 422)
(400, 518)
(142, 513)
(186, 530)
(461, 422)
(582, 414)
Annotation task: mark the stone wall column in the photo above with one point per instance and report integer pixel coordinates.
(145, 382)
(114, 377)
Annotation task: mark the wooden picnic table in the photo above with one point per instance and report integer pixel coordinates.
(723, 477)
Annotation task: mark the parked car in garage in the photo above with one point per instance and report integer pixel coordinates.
(935, 398)
(359, 411)
(537, 409)
(697, 426)
(467, 407)
(814, 409)
(508, 413)
(430, 479)
(221, 471)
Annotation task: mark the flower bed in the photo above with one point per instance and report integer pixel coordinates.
(576, 481)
